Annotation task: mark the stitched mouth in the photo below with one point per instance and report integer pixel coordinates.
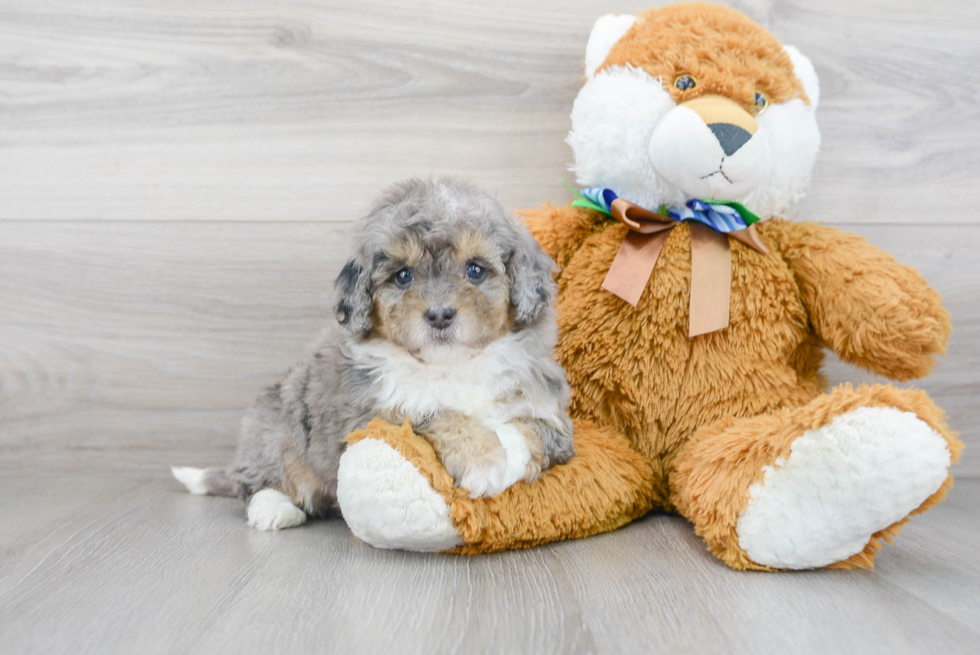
(718, 172)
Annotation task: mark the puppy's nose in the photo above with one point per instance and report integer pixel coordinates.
(440, 317)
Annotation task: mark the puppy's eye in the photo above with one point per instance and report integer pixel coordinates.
(404, 277)
(685, 82)
(475, 272)
(761, 102)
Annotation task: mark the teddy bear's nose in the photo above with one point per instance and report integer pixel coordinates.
(731, 137)
(732, 126)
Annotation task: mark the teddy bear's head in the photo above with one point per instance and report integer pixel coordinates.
(695, 101)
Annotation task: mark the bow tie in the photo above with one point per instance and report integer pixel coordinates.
(712, 222)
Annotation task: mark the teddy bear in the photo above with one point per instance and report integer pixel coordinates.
(693, 317)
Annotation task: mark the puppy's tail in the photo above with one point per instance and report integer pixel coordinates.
(210, 481)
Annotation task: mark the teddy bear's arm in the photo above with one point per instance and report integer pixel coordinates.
(869, 309)
(560, 230)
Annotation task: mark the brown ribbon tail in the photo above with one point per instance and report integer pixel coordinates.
(638, 219)
(711, 280)
(631, 270)
(711, 263)
(750, 237)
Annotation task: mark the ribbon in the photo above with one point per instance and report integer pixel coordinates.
(712, 222)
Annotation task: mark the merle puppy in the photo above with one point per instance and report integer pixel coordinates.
(444, 319)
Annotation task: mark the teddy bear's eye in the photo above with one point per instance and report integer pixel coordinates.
(761, 102)
(685, 82)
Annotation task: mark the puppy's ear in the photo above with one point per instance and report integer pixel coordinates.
(352, 297)
(531, 284)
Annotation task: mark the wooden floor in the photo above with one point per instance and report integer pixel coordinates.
(177, 180)
(100, 565)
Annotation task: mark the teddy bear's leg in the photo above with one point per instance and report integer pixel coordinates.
(819, 485)
(390, 493)
(394, 493)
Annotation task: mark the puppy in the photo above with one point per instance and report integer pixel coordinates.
(444, 319)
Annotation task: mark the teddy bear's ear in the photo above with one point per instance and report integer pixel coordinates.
(804, 70)
(605, 33)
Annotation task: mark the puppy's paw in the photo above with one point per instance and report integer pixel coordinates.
(563, 454)
(483, 476)
(532, 472)
(560, 447)
(273, 510)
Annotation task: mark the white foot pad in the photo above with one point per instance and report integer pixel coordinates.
(273, 510)
(388, 503)
(842, 483)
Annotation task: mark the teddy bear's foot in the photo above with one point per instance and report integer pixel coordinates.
(388, 503)
(818, 485)
(842, 483)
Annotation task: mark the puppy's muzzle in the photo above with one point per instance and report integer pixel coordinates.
(440, 317)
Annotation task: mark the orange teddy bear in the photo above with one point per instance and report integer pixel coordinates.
(692, 331)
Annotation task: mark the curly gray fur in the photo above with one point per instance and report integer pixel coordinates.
(304, 418)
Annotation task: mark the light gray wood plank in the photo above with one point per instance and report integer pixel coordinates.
(138, 342)
(136, 345)
(193, 110)
(693, 603)
(144, 567)
(939, 540)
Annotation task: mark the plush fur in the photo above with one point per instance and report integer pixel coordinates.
(632, 132)
(734, 429)
(445, 322)
(725, 53)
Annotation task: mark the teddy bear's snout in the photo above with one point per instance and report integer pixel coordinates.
(732, 126)
(710, 147)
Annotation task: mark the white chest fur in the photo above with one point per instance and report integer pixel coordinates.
(486, 387)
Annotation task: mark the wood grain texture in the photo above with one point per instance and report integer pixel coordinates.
(135, 343)
(190, 110)
(98, 565)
